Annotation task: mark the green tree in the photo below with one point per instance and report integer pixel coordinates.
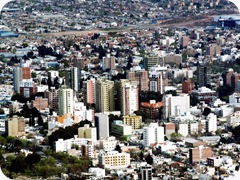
(32, 159)
(118, 148)
(149, 159)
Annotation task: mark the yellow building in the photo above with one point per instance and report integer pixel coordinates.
(114, 159)
(87, 132)
(134, 121)
(105, 96)
(15, 126)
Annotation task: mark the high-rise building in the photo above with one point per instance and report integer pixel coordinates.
(153, 134)
(139, 77)
(87, 132)
(146, 172)
(203, 76)
(52, 96)
(130, 99)
(105, 97)
(72, 78)
(102, 125)
(120, 84)
(15, 126)
(65, 101)
(17, 78)
(19, 74)
(89, 91)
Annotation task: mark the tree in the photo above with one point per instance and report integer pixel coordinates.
(18, 145)
(32, 159)
(193, 100)
(173, 92)
(141, 156)
(118, 148)
(206, 111)
(25, 111)
(224, 91)
(1, 111)
(40, 120)
(149, 159)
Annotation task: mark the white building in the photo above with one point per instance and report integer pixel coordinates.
(81, 113)
(114, 159)
(153, 134)
(234, 119)
(187, 127)
(175, 105)
(211, 123)
(97, 172)
(130, 99)
(109, 144)
(65, 145)
(234, 99)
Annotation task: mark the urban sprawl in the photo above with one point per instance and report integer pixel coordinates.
(129, 90)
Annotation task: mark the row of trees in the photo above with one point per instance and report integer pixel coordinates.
(66, 133)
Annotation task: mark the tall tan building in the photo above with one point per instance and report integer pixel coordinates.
(15, 126)
(105, 96)
(52, 96)
(139, 77)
